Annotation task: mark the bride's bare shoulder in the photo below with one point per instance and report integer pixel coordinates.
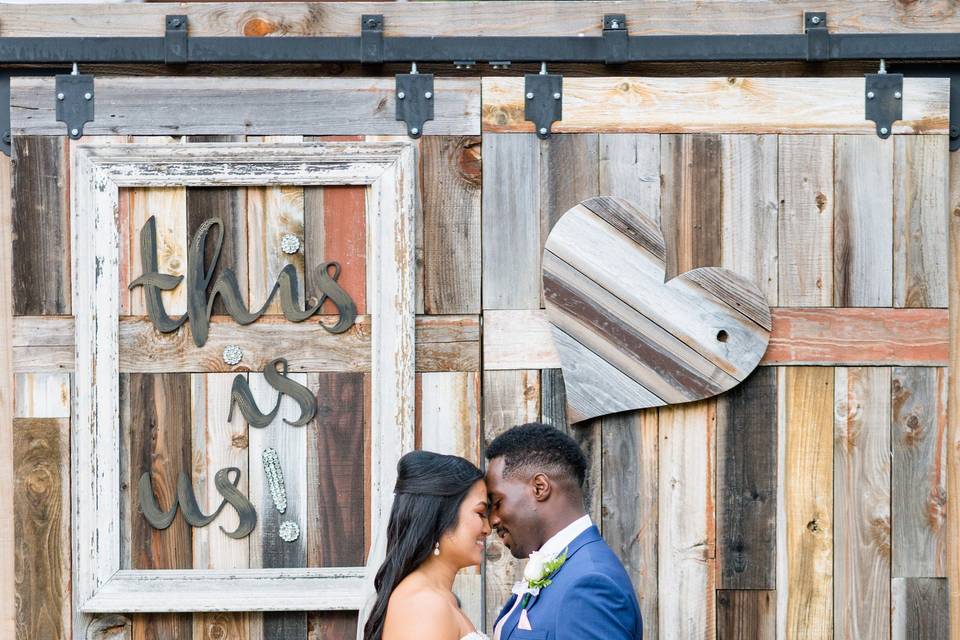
(416, 612)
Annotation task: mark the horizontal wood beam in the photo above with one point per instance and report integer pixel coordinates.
(718, 105)
(245, 106)
(801, 336)
(473, 18)
(444, 343)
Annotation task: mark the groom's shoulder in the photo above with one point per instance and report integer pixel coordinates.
(596, 556)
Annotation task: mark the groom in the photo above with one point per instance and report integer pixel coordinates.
(574, 587)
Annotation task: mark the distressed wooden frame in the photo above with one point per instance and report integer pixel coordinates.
(388, 170)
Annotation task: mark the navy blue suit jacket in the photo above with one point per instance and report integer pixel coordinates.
(590, 598)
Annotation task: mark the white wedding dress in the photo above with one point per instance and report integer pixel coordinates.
(475, 635)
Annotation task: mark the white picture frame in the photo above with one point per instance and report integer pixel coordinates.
(388, 170)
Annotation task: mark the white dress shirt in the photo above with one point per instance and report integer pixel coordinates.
(554, 546)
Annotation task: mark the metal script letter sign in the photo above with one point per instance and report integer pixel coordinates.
(200, 305)
(187, 502)
(240, 395)
(627, 338)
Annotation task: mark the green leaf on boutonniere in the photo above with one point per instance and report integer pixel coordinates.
(549, 568)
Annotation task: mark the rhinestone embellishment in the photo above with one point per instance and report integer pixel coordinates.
(271, 467)
(232, 354)
(289, 531)
(289, 243)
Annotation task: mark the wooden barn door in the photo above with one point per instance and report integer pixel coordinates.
(808, 502)
(175, 397)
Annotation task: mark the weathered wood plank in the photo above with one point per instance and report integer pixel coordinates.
(444, 343)
(805, 503)
(747, 483)
(343, 221)
(267, 549)
(553, 399)
(630, 168)
(222, 444)
(863, 222)
(335, 487)
(160, 442)
(569, 174)
(41, 454)
(805, 242)
(452, 177)
(40, 226)
(920, 211)
(335, 535)
(218, 444)
(169, 207)
(509, 398)
(912, 337)
(919, 609)
(42, 395)
(716, 105)
(450, 423)
(820, 336)
(919, 499)
(468, 18)
(244, 106)
(272, 213)
(7, 521)
(749, 209)
(686, 569)
(861, 471)
(690, 166)
(229, 204)
(746, 615)
(511, 222)
(630, 503)
(953, 403)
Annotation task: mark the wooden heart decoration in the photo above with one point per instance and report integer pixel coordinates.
(626, 338)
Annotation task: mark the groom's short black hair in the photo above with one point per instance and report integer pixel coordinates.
(539, 447)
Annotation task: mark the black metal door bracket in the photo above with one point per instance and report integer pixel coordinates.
(543, 101)
(74, 100)
(5, 136)
(175, 40)
(414, 97)
(616, 40)
(371, 39)
(883, 100)
(818, 38)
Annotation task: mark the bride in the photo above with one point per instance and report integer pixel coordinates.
(438, 525)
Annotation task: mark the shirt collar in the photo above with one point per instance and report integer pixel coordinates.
(562, 539)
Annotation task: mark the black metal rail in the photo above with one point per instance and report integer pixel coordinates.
(685, 48)
(544, 93)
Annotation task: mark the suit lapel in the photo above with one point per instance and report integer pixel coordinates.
(504, 610)
(590, 535)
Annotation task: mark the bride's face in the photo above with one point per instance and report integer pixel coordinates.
(464, 545)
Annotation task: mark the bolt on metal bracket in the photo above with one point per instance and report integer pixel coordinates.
(616, 40)
(818, 38)
(371, 38)
(543, 101)
(883, 100)
(175, 41)
(74, 98)
(414, 97)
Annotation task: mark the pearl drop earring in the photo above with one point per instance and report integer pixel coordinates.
(436, 549)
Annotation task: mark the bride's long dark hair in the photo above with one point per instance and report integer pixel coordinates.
(430, 488)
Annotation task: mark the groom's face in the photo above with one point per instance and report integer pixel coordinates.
(511, 510)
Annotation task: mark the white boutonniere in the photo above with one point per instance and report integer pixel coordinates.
(540, 566)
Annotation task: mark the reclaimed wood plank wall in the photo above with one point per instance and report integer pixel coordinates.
(809, 502)
(744, 503)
